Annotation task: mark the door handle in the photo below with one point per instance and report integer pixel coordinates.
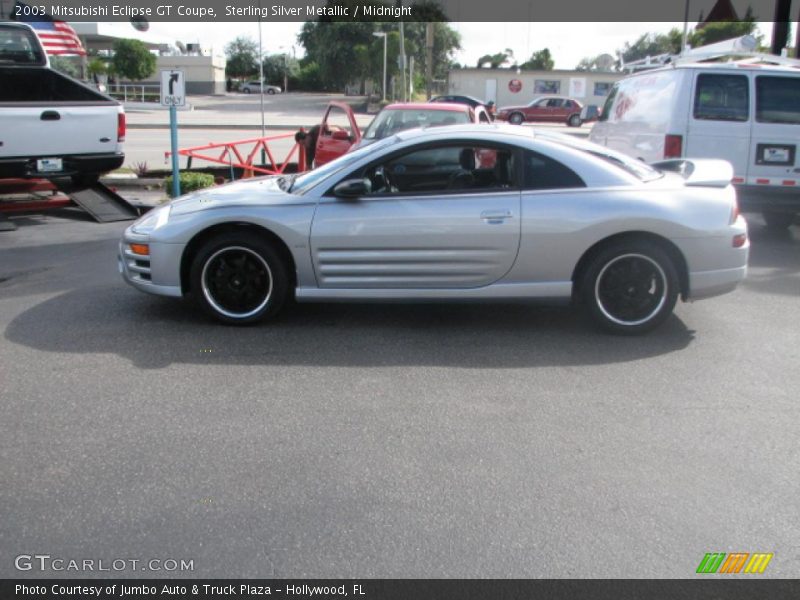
(496, 216)
(50, 115)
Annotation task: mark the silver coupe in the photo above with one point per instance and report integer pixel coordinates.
(472, 212)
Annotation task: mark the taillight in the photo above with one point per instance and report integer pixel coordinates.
(739, 240)
(673, 146)
(121, 127)
(734, 212)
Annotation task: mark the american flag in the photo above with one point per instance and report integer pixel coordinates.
(57, 37)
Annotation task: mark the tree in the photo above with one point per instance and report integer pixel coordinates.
(652, 44)
(132, 60)
(496, 61)
(242, 58)
(717, 31)
(539, 61)
(333, 43)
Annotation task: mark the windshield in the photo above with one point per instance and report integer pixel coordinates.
(309, 179)
(389, 122)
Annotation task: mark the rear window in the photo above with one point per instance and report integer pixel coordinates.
(778, 99)
(18, 46)
(721, 98)
(630, 165)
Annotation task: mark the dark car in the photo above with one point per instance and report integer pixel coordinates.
(468, 100)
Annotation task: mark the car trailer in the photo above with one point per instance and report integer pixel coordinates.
(33, 195)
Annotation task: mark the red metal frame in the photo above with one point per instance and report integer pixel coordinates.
(45, 193)
(231, 156)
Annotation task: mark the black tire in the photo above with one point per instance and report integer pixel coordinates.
(516, 118)
(246, 90)
(778, 220)
(629, 287)
(574, 121)
(239, 278)
(271, 92)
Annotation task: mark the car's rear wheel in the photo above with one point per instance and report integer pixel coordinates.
(778, 220)
(246, 90)
(516, 118)
(574, 121)
(630, 288)
(239, 278)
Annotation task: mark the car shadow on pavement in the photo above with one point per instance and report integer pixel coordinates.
(774, 264)
(155, 332)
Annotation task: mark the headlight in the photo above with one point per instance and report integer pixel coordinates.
(152, 220)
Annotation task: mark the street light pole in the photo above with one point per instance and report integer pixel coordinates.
(383, 35)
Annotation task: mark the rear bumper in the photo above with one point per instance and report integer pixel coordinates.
(706, 284)
(74, 164)
(769, 197)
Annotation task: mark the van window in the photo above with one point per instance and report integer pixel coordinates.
(721, 97)
(606, 110)
(777, 99)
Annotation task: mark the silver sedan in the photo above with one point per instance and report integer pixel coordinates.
(489, 212)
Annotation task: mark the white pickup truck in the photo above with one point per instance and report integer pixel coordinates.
(50, 124)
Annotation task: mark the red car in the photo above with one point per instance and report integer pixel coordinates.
(339, 132)
(554, 109)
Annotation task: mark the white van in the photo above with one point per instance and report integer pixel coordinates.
(746, 113)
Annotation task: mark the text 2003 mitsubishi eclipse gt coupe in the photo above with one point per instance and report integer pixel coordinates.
(421, 216)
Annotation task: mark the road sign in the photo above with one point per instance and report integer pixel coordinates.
(173, 88)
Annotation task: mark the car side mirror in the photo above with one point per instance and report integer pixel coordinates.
(341, 135)
(353, 188)
(589, 112)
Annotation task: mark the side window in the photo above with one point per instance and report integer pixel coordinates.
(555, 102)
(721, 97)
(544, 173)
(337, 120)
(444, 169)
(777, 99)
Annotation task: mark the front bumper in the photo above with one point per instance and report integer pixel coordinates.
(157, 273)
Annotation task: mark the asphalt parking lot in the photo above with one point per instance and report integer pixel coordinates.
(390, 440)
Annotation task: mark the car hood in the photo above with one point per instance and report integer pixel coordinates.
(509, 108)
(260, 191)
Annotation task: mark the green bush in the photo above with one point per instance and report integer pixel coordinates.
(190, 182)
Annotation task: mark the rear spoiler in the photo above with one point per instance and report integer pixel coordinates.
(703, 172)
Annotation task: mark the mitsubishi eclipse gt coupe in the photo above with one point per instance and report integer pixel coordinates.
(466, 212)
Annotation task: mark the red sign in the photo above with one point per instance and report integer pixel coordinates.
(515, 85)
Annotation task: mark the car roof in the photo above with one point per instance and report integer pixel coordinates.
(448, 106)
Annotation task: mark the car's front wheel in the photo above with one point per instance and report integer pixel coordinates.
(630, 287)
(271, 92)
(239, 278)
(516, 118)
(246, 90)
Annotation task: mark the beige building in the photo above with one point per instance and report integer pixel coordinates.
(507, 87)
(204, 74)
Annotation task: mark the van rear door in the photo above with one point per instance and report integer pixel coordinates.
(776, 131)
(720, 118)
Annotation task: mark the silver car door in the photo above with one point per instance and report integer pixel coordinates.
(453, 238)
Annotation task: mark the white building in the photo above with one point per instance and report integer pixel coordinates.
(507, 87)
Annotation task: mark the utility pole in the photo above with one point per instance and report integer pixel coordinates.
(403, 61)
(429, 60)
